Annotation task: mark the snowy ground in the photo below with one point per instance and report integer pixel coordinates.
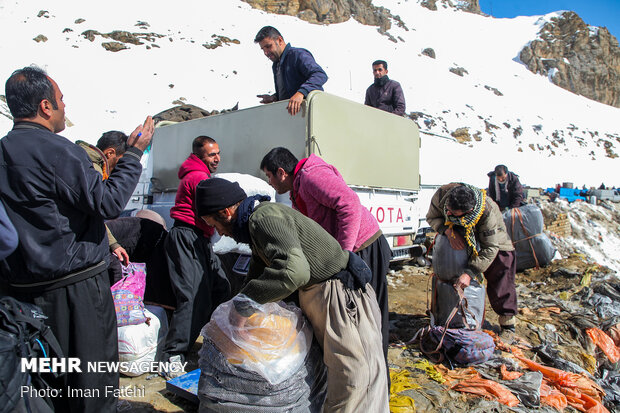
(105, 90)
(595, 231)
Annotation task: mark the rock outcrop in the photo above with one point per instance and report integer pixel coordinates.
(187, 112)
(122, 36)
(472, 6)
(577, 57)
(430, 52)
(330, 11)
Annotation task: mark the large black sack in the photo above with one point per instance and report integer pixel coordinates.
(226, 388)
(524, 225)
(448, 263)
(470, 307)
(23, 334)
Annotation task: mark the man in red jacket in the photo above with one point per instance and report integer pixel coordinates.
(198, 282)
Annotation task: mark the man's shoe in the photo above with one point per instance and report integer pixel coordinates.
(507, 322)
(508, 328)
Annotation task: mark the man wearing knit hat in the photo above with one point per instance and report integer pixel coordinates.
(468, 217)
(198, 282)
(291, 252)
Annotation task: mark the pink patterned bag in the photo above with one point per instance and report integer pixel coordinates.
(128, 294)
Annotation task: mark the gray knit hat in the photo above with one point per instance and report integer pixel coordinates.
(215, 194)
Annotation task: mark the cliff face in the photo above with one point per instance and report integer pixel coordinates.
(472, 6)
(577, 57)
(328, 11)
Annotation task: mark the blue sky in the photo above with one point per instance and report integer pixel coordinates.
(593, 12)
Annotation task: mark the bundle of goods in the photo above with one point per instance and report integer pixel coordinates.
(448, 265)
(267, 362)
(454, 334)
(139, 330)
(533, 247)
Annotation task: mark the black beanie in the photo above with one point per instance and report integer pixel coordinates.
(215, 194)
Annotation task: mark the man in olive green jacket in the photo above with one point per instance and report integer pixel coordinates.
(105, 155)
(470, 219)
(291, 252)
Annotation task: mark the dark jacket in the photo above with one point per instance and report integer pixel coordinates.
(301, 73)
(58, 202)
(389, 97)
(513, 186)
(8, 235)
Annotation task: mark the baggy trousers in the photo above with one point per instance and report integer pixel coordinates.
(83, 319)
(199, 285)
(501, 283)
(377, 256)
(346, 324)
(144, 241)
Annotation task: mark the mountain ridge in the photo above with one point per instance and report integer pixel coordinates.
(205, 56)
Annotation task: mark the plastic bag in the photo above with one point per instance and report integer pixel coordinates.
(272, 342)
(137, 344)
(401, 381)
(526, 388)
(227, 388)
(134, 279)
(488, 389)
(605, 343)
(581, 392)
(128, 294)
(509, 375)
(552, 397)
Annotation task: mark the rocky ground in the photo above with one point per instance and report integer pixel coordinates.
(556, 305)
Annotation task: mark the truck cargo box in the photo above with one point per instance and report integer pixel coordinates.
(376, 152)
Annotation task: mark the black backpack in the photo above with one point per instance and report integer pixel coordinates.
(23, 334)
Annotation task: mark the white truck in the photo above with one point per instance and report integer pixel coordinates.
(376, 152)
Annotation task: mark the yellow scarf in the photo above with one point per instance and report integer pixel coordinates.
(469, 221)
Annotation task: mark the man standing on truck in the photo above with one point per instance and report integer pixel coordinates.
(318, 191)
(469, 218)
(385, 93)
(505, 188)
(198, 282)
(295, 72)
(291, 252)
(57, 203)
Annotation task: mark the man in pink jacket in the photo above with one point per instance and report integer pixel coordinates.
(318, 191)
(198, 282)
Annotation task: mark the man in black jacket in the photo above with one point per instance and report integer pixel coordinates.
(295, 72)
(385, 94)
(58, 202)
(505, 188)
